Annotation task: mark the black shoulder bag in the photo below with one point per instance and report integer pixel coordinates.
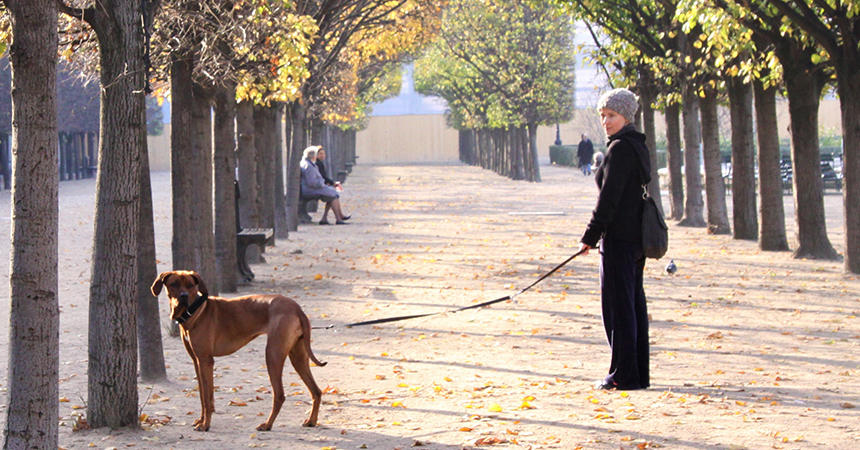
(655, 233)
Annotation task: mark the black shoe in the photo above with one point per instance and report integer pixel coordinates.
(324, 222)
(609, 385)
(340, 222)
(345, 218)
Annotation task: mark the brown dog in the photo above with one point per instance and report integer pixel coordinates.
(213, 326)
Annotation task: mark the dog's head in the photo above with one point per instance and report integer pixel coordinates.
(182, 288)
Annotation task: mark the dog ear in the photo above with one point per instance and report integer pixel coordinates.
(201, 286)
(159, 283)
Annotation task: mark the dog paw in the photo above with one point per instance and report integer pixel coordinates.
(264, 427)
(201, 427)
(310, 423)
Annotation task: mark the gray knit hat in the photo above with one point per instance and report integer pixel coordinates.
(621, 101)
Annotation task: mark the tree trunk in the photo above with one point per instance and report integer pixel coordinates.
(804, 91)
(149, 345)
(31, 420)
(533, 153)
(298, 127)
(674, 160)
(112, 368)
(518, 159)
(694, 207)
(224, 161)
(264, 126)
(715, 188)
(282, 229)
(771, 212)
(202, 188)
(181, 168)
(744, 210)
(249, 217)
(848, 74)
(646, 98)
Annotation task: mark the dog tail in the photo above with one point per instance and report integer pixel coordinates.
(306, 332)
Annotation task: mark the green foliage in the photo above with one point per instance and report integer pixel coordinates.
(501, 64)
(563, 155)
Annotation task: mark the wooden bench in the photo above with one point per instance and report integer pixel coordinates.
(246, 237)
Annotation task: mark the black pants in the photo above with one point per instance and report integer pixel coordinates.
(625, 315)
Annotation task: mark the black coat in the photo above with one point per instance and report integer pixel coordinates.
(585, 151)
(626, 167)
(321, 166)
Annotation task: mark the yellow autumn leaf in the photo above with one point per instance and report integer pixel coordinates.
(318, 276)
(398, 404)
(495, 407)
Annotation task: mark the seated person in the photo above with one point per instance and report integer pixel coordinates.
(313, 184)
(320, 163)
(321, 166)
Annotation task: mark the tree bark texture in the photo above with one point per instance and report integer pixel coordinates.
(282, 230)
(149, 345)
(533, 153)
(771, 211)
(31, 419)
(848, 75)
(299, 126)
(249, 216)
(202, 189)
(224, 165)
(694, 206)
(715, 188)
(112, 369)
(674, 160)
(646, 99)
(744, 210)
(182, 172)
(518, 158)
(804, 86)
(264, 126)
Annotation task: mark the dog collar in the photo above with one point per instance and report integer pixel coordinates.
(198, 302)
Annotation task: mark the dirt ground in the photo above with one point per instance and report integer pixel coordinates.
(749, 349)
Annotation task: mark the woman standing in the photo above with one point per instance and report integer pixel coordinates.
(616, 223)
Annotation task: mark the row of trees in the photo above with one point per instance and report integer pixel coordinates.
(688, 56)
(504, 67)
(318, 62)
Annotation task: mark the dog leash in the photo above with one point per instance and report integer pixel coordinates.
(464, 308)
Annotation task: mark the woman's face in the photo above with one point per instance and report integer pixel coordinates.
(612, 121)
(321, 155)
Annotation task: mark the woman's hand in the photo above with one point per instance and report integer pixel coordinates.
(583, 247)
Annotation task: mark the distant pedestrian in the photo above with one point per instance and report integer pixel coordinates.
(584, 152)
(616, 223)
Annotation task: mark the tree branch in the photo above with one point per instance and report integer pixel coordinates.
(808, 21)
(85, 14)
